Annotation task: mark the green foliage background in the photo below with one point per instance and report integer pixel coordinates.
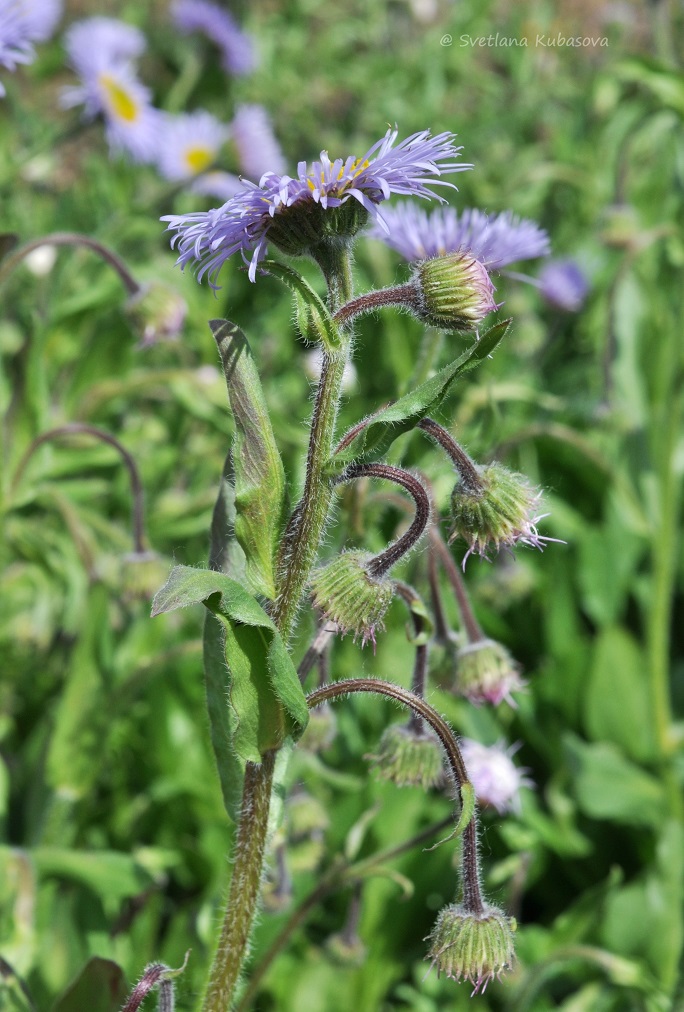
(115, 836)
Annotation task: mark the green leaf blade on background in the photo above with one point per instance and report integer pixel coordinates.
(259, 476)
(261, 681)
(372, 441)
(99, 987)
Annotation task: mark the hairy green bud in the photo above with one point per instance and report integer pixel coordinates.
(455, 291)
(156, 312)
(350, 596)
(473, 947)
(498, 512)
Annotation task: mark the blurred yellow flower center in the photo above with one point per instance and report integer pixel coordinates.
(121, 102)
(198, 158)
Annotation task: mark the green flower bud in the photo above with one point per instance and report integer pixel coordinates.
(455, 291)
(156, 312)
(350, 597)
(409, 758)
(486, 672)
(307, 822)
(473, 947)
(499, 513)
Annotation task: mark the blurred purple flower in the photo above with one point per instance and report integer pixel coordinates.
(258, 150)
(219, 184)
(243, 223)
(189, 144)
(563, 284)
(94, 42)
(219, 26)
(23, 22)
(494, 775)
(494, 240)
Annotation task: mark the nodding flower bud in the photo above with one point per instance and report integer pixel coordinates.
(472, 946)
(156, 312)
(486, 673)
(409, 758)
(497, 512)
(348, 595)
(455, 291)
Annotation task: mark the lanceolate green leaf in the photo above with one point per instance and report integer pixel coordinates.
(261, 685)
(259, 475)
(371, 442)
(313, 318)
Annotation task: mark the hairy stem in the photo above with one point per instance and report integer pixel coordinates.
(399, 295)
(303, 539)
(250, 844)
(472, 895)
(335, 878)
(383, 562)
(467, 470)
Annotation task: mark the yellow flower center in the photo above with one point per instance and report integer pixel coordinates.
(121, 102)
(198, 158)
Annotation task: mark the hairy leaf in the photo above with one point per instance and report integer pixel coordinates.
(261, 681)
(259, 475)
(371, 441)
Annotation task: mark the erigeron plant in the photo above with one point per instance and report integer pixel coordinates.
(265, 563)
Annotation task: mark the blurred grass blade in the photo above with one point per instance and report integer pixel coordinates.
(100, 987)
(259, 475)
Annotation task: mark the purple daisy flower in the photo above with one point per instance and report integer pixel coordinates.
(190, 144)
(267, 212)
(218, 25)
(494, 775)
(495, 240)
(563, 284)
(23, 22)
(258, 150)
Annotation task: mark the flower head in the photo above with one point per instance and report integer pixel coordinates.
(472, 947)
(94, 42)
(500, 512)
(217, 24)
(494, 775)
(409, 758)
(23, 22)
(350, 596)
(495, 240)
(486, 673)
(563, 284)
(257, 148)
(328, 198)
(190, 144)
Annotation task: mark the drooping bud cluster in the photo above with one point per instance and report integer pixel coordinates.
(473, 947)
(409, 758)
(456, 292)
(348, 595)
(486, 672)
(500, 513)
